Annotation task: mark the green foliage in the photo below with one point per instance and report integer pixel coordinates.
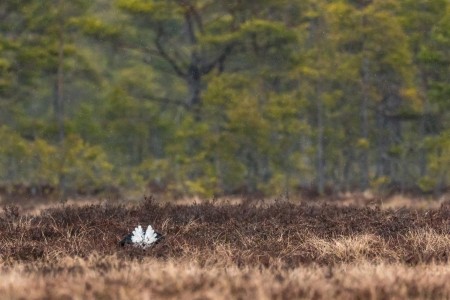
(96, 28)
(439, 160)
(27, 162)
(15, 154)
(427, 184)
(85, 167)
(210, 97)
(37, 162)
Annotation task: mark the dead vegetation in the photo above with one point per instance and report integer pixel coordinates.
(109, 277)
(278, 250)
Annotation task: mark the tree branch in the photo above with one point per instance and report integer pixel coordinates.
(192, 14)
(166, 56)
(205, 69)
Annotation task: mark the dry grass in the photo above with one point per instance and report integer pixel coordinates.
(350, 199)
(100, 277)
(224, 251)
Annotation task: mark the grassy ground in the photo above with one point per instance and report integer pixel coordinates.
(241, 250)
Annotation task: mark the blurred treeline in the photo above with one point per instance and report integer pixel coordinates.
(215, 97)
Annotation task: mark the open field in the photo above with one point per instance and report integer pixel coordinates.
(220, 251)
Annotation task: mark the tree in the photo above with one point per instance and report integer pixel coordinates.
(205, 97)
(194, 38)
(387, 73)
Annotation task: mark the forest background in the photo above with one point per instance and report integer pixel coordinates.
(220, 97)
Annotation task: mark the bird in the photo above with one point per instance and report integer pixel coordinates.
(149, 238)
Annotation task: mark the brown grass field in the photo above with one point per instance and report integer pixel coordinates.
(228, 250)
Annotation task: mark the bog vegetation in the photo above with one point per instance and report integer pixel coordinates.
(281, 250)
(218, 97)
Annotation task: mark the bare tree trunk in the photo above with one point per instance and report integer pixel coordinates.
(59, 90)
(394, 127)
(382, 165)
(347, 181)
(320, 145)
(198, 64)
(252, 171)
(364, 157)
(422, 151)
(389, 135)
(59, 110)
(314, 35)
(422, 129)
(194, 73)
(194, 82)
